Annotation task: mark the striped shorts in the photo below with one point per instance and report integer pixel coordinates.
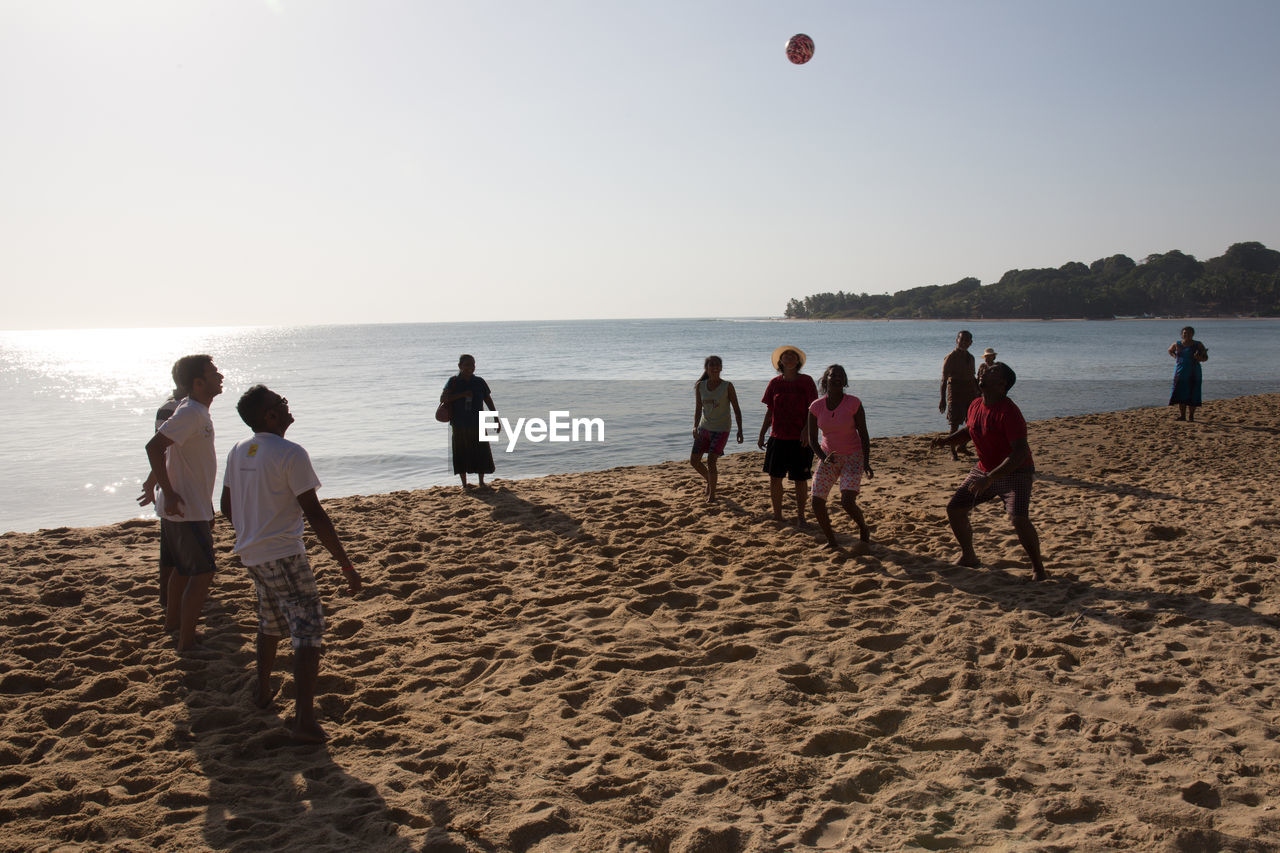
(288, 600)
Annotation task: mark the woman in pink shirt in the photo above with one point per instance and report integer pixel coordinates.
(844, 452)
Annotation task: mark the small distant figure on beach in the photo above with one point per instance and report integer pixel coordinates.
(712, 399)
(466, 395)
(844, 452)
(269, 486)
(1188, 354)
(958, 388)
(787, 452)
(988, 359)
(185, 466)
(151, 492)
(1005, 468)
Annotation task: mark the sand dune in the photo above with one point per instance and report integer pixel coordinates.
(597, 662)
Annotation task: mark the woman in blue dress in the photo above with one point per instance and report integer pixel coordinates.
(1187, 354)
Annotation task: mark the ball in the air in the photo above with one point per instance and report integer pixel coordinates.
(799, 48)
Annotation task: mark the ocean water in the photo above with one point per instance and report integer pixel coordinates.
(79, 405)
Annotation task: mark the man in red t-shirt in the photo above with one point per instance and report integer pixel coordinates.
(1005, 468)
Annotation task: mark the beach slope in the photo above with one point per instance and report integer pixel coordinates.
(598, 662)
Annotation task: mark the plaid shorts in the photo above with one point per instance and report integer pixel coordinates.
(1015, 488)
(288, 600)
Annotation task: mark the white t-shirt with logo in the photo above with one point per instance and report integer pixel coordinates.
(191, 461)
(265, 474)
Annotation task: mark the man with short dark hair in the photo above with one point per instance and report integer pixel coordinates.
(185, 466)
(151, 495)
(1005, 468)
(268, 486)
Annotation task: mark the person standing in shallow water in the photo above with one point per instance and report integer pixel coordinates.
(712, 399)
(959, 387)
(1005, 468)
(844, 453)
(467, 394)
(1188, 354)
(787, 452)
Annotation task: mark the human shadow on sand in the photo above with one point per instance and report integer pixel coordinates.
(1011, 588)
(1124, 489)
(264, 790)
(507, 507)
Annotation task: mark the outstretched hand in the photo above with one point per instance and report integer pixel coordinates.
(147, 497)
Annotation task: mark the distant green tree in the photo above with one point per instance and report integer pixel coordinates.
(1245, 279)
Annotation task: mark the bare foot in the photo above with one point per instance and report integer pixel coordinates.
(1039, 574)
(969, 561)
(265, 704)
(307, 734)
(861, 547)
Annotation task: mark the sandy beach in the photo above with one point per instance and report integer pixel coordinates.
(599, 662)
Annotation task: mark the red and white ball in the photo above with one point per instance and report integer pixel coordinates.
(799, 49)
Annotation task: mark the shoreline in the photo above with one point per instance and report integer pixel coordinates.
(601, 662)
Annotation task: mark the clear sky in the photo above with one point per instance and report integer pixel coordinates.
(237, 162)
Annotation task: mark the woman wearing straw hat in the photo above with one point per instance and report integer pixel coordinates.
(988, 359)
(787, 452)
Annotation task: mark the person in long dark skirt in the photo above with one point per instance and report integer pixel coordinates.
(466, 395)
(1188, 354)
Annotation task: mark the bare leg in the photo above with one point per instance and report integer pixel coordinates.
(695, 459)
(481, 478)
(173, 609)
(165, 571)
(193, 598)
(306, 672)
(713, 476)
(1182, 411)
(959, 518)
(824, 521)
(802, 498)
(1191, 414)
(463, 478)
(849, 500)
(775, 497)
(266, 660)
(1031, 544)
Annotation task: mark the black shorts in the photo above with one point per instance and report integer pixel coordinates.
(191, 546)
(785, 457)
(166, 555)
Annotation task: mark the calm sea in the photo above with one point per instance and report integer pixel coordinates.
(79, 405)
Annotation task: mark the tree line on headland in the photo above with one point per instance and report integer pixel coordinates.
(1245, 280)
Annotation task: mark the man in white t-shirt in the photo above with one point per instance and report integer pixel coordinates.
(186, 474)
(151, 492)
(268, 486)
